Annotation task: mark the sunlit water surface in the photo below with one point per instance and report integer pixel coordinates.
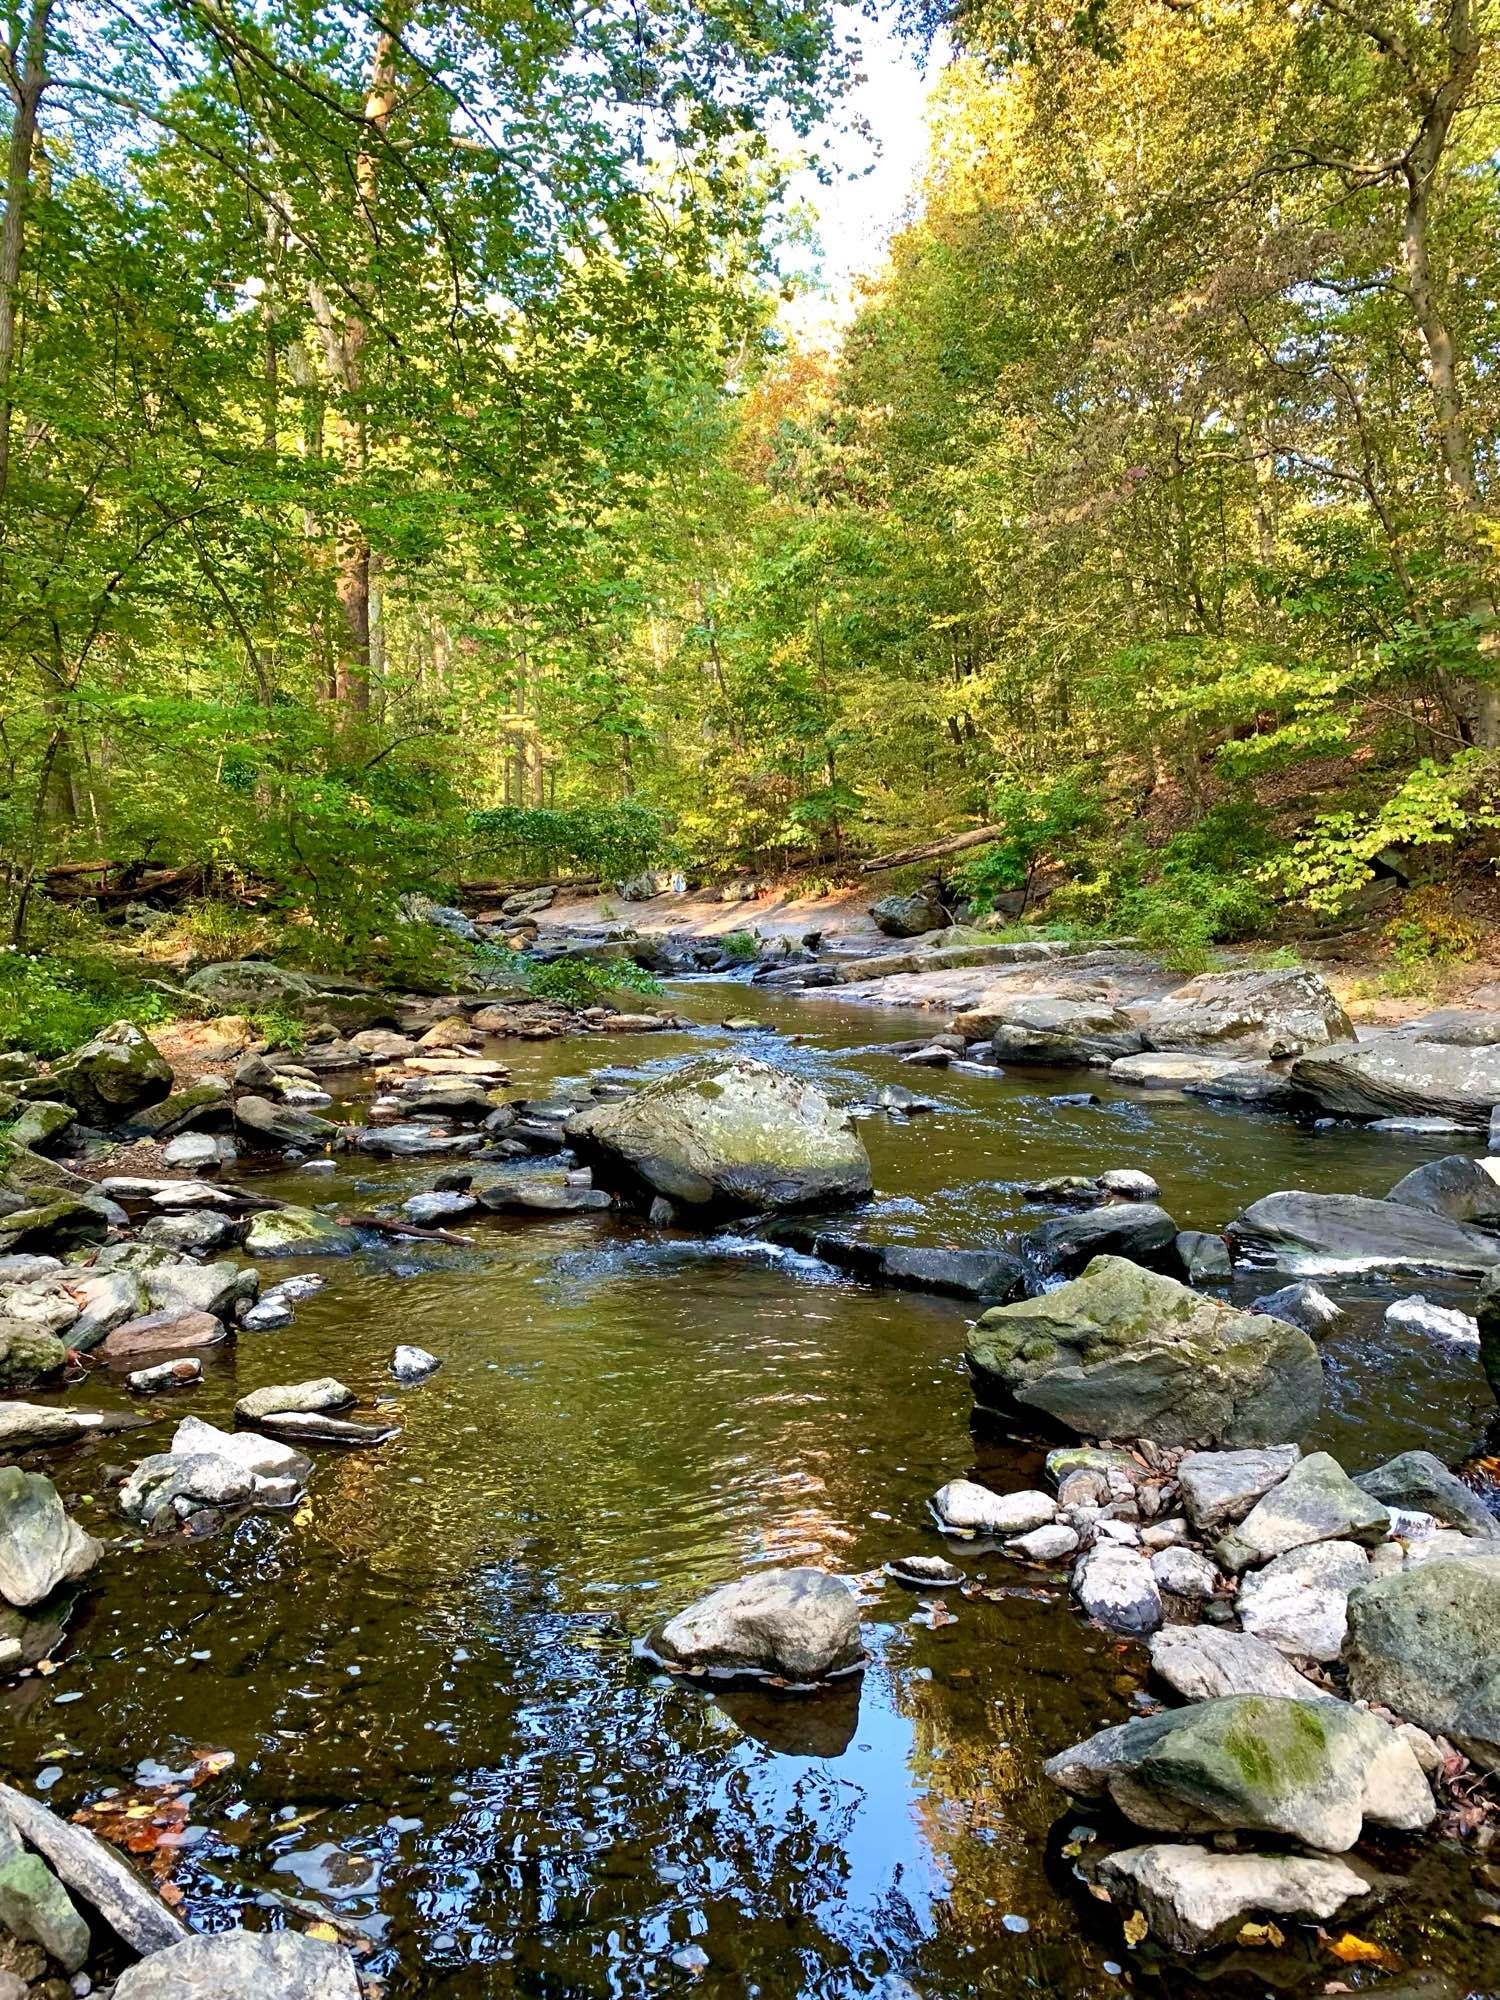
(440, 1732)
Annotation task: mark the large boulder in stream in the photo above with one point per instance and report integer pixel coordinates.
(794, 1624)
(1312, 1770)
(1461, 1188)
(1404, 1074)
(910, 916)
(114, 1074)
(1249, 1014)
(1039, 1028)
(734, 1138)
(1426, 1643)
(1331, 1232)
(1121, 1352)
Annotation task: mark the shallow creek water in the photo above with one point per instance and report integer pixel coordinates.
(426, 1679)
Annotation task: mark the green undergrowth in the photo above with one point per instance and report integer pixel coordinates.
(50, 1002)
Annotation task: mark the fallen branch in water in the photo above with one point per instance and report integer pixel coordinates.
(384, 1228)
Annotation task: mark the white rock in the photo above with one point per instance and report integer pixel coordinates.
(266, 1316)
(1126, 1533)
(1205, 1662)
(1300, 1602)
(1045, 1544)
(1443, 1322)
(439, 1206)
(413, 1364)
(1129, 1183)
(1185, 1573)
(1115, 1585)
(968, 1508)
(1191, 1896)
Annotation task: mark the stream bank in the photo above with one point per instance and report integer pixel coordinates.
(437, 1661)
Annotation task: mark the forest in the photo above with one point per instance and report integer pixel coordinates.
(406, 475)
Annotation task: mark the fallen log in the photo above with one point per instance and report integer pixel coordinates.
(381, 1227)
(930, 850)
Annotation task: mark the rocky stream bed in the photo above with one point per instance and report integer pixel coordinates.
(517, 1501)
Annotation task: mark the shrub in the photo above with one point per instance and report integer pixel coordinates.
(1429, 936)
(741, 945)
(584, 982)
(49, 1004)
(612, 842)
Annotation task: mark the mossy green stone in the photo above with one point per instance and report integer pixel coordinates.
(1124, 1353)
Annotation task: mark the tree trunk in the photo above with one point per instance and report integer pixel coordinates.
(26, 78)
(1476, 703)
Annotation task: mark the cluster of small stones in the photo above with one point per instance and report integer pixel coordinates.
(1235, 1568)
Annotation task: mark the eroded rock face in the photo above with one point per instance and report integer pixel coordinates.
(739, 1137)
(1426, 1643)
(1249, 1014)
(40, 1547)
(800, 1624)
(1121, 1352)
(35, 1907)
(1329, 1232)
(1193, 1897)
(116, 1073)
(1402, 1073)
(243, 1965)
(1312, 1770)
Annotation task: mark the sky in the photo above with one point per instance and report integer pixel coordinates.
(876, 146)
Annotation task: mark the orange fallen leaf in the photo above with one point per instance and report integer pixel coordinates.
(1360, 1951)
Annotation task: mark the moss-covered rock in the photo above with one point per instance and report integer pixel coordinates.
(1121, 1352)
(27, 1353)
(729, 1137)
(106, 1079)
(200, 1104)
(292, 1232)
(62, 1223)
(1426, 1641)
(253, 983)
(37, 1121)
(1312, 1770)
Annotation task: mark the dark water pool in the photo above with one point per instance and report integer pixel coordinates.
(439, 1731)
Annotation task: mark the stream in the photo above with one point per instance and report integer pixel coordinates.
(440, 1733)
